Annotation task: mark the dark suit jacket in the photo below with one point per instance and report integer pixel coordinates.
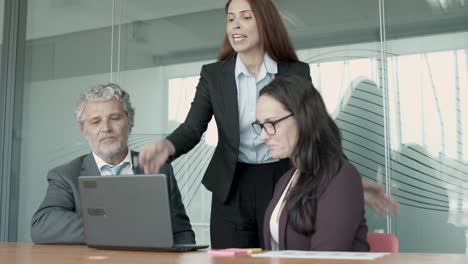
(58, 219)
(340, 223)
(216, 96)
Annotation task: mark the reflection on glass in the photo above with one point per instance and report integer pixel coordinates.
(347, 77)
(428, 120)
(344, 73)
(181, 94)
(67, 51)
(428, 113)
(189, 168)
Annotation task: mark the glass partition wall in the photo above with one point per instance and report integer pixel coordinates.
(4, 199)
(427, 43)
(393, 74)
(68, 49)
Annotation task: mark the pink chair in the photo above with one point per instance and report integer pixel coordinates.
(380, 242)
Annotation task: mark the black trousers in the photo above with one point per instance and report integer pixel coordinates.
(238, 222)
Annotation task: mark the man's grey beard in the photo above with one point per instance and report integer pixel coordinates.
(110, 153)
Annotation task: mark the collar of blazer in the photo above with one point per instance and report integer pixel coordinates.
(229, 66)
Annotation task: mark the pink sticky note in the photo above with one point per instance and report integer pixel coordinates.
(249, 251)
(226, 253)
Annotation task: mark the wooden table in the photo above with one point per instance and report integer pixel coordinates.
(17, 253)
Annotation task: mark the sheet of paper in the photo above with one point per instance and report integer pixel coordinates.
(320, 255)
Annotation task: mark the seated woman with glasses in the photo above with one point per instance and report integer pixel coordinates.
(319, 203)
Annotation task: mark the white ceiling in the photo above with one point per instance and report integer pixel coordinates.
(56, 17)
(162, 32)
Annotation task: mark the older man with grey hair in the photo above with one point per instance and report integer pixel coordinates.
(105, 117)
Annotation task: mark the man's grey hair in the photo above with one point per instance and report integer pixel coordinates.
(104, 92)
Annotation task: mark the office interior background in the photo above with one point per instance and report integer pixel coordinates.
(393, 74)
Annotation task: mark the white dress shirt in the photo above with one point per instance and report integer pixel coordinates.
(127, 170)
(275, 215)
(252, 149)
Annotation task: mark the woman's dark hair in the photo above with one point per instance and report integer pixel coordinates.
(318, 154)
(273, 34)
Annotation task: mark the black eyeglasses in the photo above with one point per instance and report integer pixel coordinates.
(269, 126)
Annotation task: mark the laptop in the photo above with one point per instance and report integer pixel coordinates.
(128, 212)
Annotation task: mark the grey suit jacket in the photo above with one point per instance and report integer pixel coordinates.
(58, 219)
(216, 96)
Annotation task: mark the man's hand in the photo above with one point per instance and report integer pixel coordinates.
(376, 198)
(154, 155)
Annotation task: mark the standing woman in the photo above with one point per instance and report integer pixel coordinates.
(241, 174)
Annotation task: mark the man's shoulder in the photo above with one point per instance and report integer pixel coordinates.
(72, 168)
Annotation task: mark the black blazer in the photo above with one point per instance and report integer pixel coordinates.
(58, 219)
(216, 96)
